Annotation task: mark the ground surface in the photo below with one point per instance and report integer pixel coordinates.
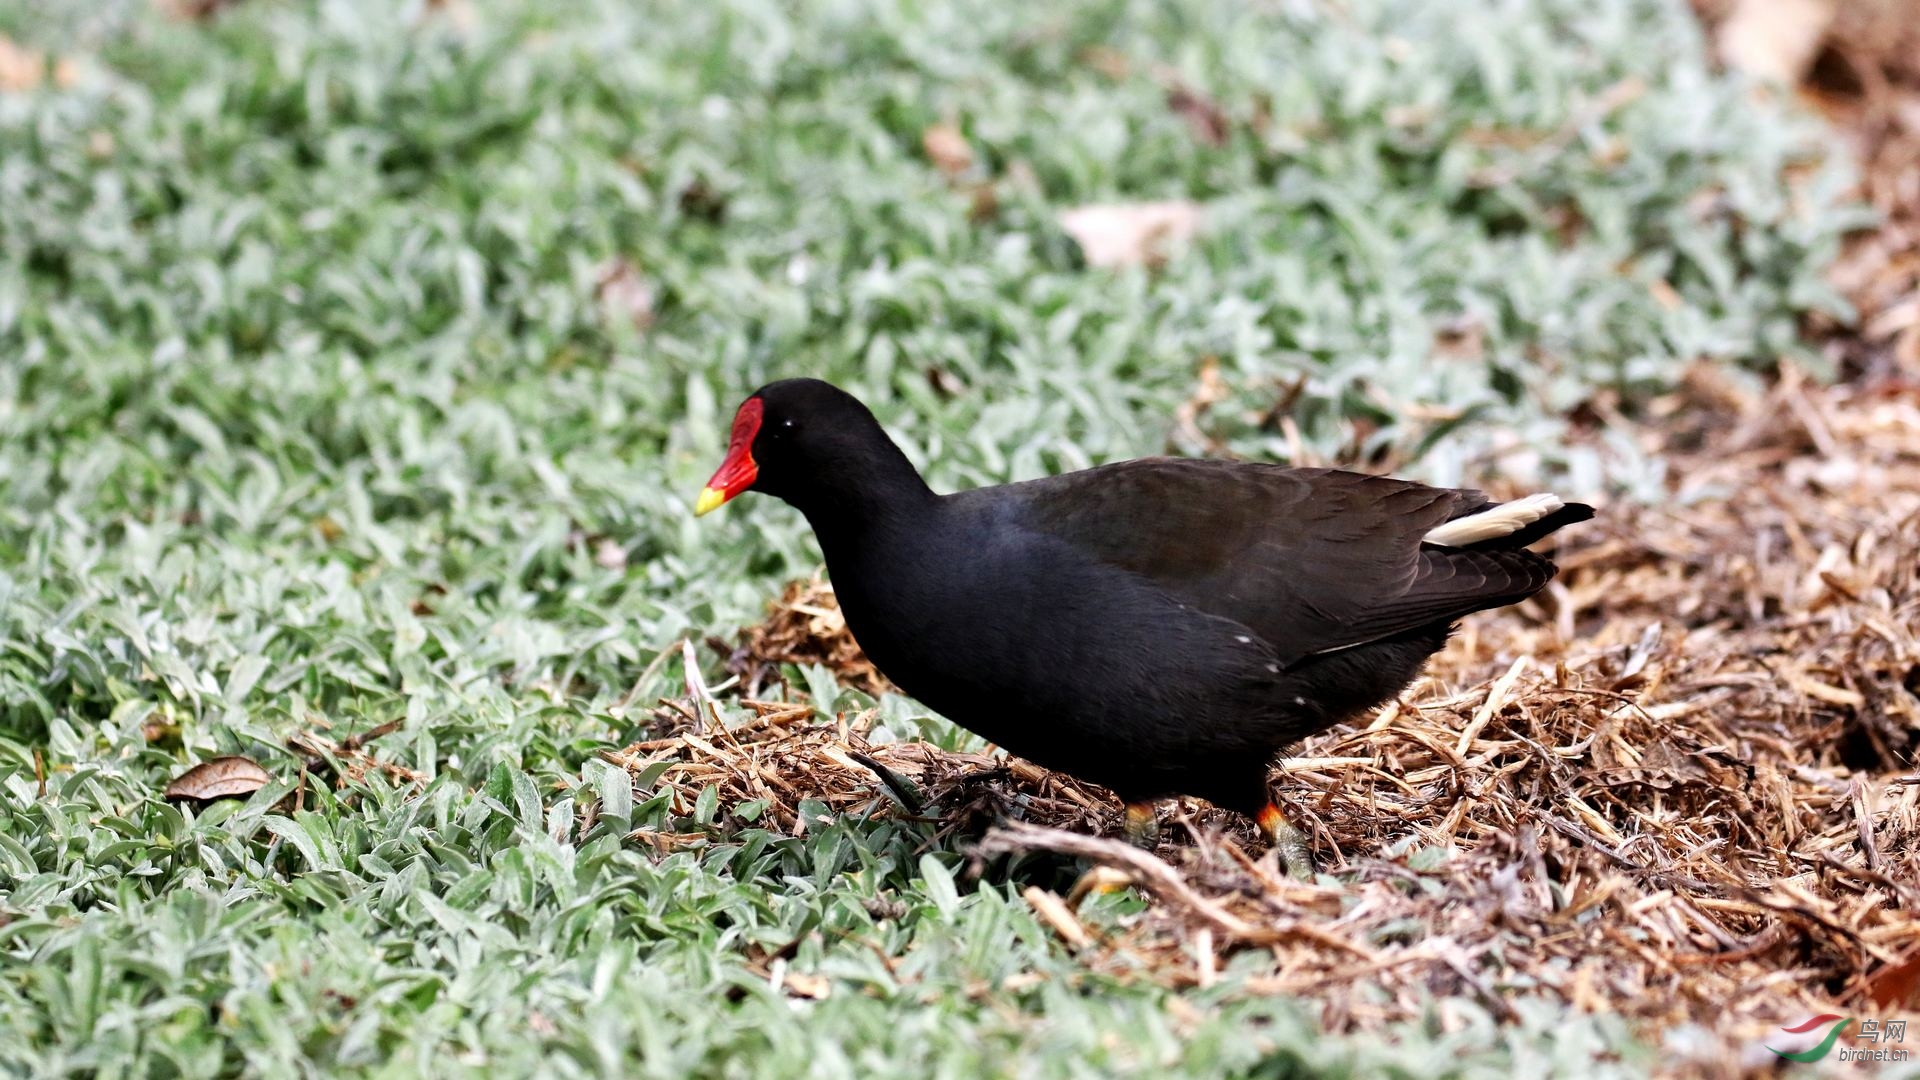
(357, 366)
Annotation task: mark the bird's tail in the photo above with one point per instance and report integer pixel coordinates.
(1509, 525)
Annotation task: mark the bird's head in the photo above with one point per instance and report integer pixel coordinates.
(804, 440)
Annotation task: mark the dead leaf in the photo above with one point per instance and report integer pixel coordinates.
(227, 777)
(800, 984)
(1897, 985)
(192, 10)
(67, 72)
(21, 69)
(945, 383)
(609, 555)
(1666, 295)
(1132, 234)
(1204, 117)
(948, 149)
(624, 294)
(1463, 337)
(1775, 40)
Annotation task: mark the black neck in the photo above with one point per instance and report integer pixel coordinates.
(883, 489)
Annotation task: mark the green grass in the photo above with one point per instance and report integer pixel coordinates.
(309, 414)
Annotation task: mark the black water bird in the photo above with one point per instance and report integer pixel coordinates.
(1160, 626)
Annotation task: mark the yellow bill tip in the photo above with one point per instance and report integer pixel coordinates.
(709, 501)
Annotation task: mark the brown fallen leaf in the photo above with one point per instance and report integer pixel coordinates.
(800, 984)
(1132, 234)
(21, 69)
(947, 149)
(226, 777)
(1897, 985)
(945, 383)
(609, 555)
(67, 72)
(1775, 39)
(192, 10)
(1204, 116)
(1666, 295)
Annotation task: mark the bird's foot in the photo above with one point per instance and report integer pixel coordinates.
(1142, 827)
(1290, 842)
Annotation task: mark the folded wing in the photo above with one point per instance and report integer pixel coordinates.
(1312, 560)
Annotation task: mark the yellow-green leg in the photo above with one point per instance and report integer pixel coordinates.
(1290, 842)
(1142, 826)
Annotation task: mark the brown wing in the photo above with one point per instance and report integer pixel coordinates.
(1312, 560)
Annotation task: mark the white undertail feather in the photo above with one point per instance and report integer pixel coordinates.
(1493, 523)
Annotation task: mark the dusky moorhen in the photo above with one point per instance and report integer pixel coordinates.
(1160, 626)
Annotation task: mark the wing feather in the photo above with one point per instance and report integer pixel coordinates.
(1313, 560)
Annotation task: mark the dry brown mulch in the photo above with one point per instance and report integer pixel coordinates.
(1680, 786)
(1682, 790)
(804, 627)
